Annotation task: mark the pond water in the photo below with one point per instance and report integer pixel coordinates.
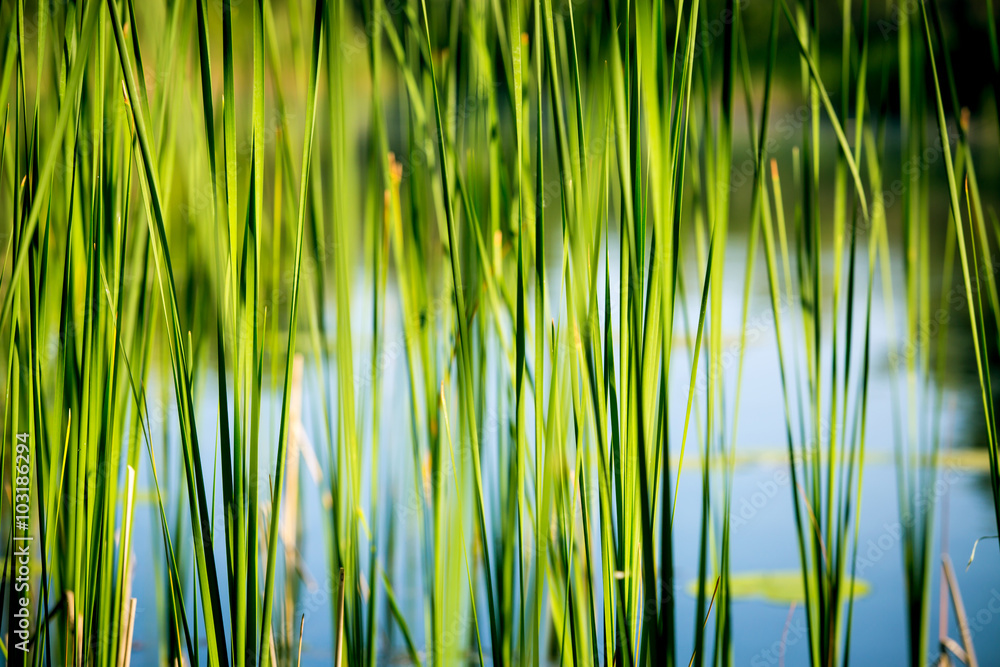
(763, 534)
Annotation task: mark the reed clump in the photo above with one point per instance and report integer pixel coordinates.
(400, 334)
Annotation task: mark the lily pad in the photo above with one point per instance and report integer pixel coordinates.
(778, 587)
